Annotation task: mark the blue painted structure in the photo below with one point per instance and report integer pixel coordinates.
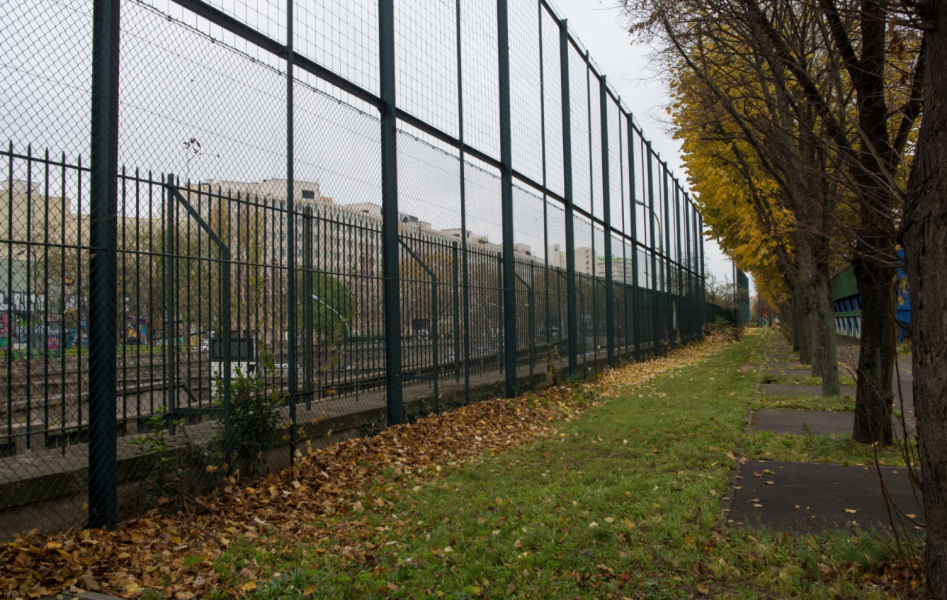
(848, 308)
(903, 307)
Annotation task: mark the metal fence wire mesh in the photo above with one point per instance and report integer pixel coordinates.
(232, 227)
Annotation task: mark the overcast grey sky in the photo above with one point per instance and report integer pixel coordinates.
(597, 23)
(177, 85)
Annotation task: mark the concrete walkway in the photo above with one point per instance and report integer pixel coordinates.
(805, 497)
(797, 422)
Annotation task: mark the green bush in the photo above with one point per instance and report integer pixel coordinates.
(255, 418)
(165, 470)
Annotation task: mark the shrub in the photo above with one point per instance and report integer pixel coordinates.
(255, 418)
(165, 469)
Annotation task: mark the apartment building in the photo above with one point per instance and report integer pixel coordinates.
(346, 238)
(585, 263)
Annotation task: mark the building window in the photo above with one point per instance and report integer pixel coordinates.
(309, 195)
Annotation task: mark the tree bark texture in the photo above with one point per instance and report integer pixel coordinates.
(873, 263)
(792, 317)
(876, 354)
(815, 326)
(825, 332)
(802, 317)
(924, 236)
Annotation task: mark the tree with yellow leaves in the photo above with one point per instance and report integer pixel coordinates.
(822, 99)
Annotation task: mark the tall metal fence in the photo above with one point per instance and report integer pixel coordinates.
(231, 226)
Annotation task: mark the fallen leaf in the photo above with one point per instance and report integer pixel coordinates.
(150, 550)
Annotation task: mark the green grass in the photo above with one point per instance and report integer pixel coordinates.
(839, 449)
(621, 502)
(790, 379)
(836, 403)
(808, 380)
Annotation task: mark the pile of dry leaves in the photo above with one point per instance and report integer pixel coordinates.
(298, 503)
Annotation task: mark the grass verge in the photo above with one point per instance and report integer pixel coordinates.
(844, 380)
(620, 502)
(834, 403)
(838, 449)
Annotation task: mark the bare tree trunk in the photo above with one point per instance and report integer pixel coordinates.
(874, 259)
(785, 321)
(825, 358)
(924, 236)
(814, 324)
(802, 317)
(815, 327)
(791, 318)
(876, 353)
(825, 329)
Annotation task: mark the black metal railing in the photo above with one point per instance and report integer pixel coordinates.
(374, 213)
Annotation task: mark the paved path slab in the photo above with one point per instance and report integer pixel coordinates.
(793, 389)
(805, 497)
(819, 422)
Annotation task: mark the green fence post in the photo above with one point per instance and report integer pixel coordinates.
(103, 265)
(307, 306)
(394, 405)
(463, 201)
(506, 176)
(668, 301)
(703, 274)
(636, 290)
(455, 286)
(291, 236)
(607, 215)
(572, 318)
(654, 260)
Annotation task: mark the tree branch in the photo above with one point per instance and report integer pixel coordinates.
(842, 42)
(912, 109)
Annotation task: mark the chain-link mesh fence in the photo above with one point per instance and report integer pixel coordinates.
(229, 228)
